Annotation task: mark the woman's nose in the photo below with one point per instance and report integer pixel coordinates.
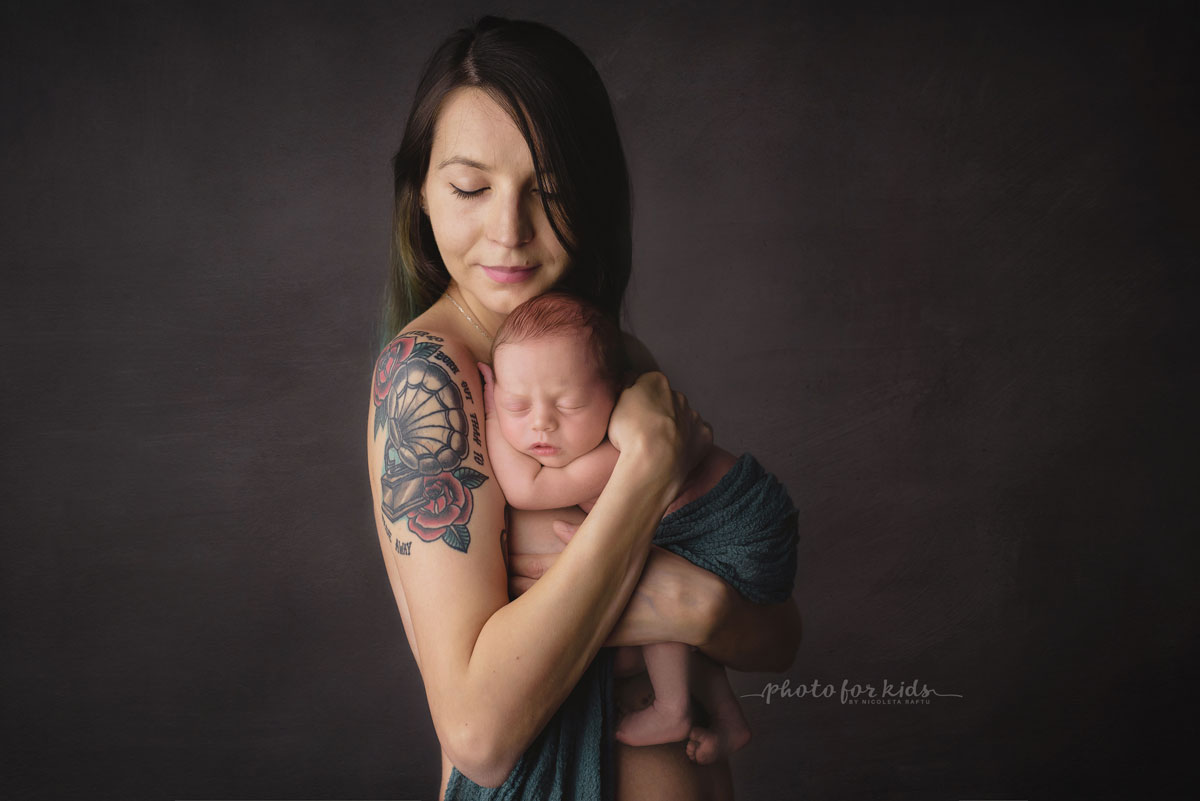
(510, 222)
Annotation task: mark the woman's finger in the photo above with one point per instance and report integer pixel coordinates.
(530, 565)
(564, 530)
(525, 569)
(517, 585)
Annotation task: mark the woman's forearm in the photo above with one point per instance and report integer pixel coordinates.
(677, 601)
(530, 653)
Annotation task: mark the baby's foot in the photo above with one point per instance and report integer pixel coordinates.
(706, 746)
(657, 723)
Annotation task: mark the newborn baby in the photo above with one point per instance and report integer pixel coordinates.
(557, 369)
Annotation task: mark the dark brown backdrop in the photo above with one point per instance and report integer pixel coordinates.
(935, 270)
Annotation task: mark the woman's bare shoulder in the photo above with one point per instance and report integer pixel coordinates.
(428, 338)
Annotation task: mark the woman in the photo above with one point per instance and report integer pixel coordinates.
(510, 179)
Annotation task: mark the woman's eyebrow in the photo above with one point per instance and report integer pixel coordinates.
(464, 161)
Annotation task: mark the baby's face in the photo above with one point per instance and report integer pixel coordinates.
(551, 401)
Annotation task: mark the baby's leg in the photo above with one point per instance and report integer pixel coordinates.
(667, 720)
(729, 730)
(628, 661)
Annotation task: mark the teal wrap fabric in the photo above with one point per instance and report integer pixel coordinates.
(744, 530)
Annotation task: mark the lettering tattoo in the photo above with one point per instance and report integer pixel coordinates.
(475, 430)
(421, 410)
(446, 360)
(403, 548)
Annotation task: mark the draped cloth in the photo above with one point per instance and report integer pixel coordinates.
(744, 530)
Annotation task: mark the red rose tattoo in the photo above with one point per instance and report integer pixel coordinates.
(447, 503)
(386, 364)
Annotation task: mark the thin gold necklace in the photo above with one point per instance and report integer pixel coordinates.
(469, 320)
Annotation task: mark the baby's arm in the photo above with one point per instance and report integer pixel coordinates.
(527, 483)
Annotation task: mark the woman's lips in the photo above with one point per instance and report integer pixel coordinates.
(508, 275)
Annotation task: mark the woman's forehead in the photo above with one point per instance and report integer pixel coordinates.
(475, 131)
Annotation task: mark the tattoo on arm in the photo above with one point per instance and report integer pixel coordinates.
(424, 481)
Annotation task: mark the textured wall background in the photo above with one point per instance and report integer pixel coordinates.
(936, 271)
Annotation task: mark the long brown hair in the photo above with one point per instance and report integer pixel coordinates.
(558, 102)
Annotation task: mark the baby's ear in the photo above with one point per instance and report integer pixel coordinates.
(486, 371)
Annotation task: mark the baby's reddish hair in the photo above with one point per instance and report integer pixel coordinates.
(558, 313)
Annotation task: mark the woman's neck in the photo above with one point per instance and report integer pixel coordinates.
(479, 316)
(451, 314)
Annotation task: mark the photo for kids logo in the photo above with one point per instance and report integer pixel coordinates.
(913, 692)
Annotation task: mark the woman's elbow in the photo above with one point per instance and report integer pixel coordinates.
(485, 757)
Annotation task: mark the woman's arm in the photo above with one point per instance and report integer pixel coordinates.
(676, 601)
(675, 597)
(494, 671)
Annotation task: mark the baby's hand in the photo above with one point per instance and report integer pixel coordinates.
(489, 380)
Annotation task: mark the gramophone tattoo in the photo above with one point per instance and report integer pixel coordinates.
(428, 436)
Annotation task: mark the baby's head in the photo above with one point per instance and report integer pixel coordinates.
(559, 367)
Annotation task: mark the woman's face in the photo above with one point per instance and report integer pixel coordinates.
(481, 195)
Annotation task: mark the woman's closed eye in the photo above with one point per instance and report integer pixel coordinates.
(467, 193)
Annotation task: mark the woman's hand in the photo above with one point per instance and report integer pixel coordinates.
(651, 419)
